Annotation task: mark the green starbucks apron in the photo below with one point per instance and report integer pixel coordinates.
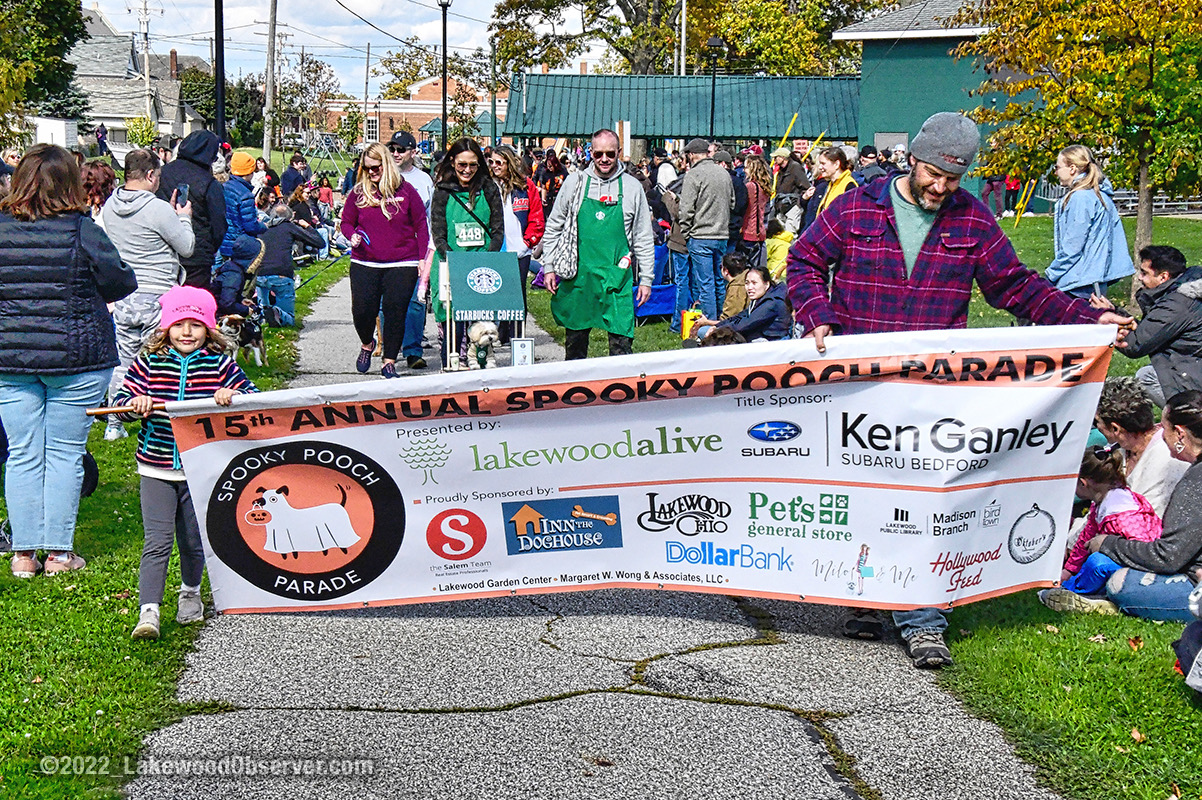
(464, 233)
(600, 296)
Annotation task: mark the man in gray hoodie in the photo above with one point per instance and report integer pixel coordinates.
(706, 200)
(150, 235)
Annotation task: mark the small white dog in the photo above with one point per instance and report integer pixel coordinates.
(482, 340)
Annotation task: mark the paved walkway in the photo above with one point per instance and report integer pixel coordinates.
(608, 694)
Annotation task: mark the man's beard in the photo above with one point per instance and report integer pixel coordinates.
(920, 196)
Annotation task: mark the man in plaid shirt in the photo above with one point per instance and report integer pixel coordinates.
(904, 253)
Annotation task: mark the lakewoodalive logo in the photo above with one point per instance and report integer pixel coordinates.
(661, 442)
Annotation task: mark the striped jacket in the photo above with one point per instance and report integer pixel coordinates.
(166, 377)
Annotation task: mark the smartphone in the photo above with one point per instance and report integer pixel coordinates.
(181, 195)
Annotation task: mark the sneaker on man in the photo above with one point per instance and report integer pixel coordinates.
(114, 430)
(1065, 600)
(416, 362)
(863, 623)
(148, 624)
(928, 650)
(191, 608)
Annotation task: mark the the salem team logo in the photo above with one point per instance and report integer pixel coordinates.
(456, 534)
(306, 520)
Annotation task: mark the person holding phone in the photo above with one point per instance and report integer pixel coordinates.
(193, 168)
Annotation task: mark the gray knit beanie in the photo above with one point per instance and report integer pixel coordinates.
(948, 141)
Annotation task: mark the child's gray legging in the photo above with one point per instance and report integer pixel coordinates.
(167, 515)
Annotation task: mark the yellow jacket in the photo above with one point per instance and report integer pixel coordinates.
(842, 182)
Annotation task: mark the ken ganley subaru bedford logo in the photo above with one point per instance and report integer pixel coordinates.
(484, 280)
(306, 520)
(577, 523)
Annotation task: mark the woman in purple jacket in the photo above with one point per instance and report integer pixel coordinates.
(385, 220)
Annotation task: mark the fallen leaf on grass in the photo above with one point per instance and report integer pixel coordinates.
(1099, 638)
(1122, 749)
(124, 594)
(1066, 688)
(1137, 736)
(1176, 792)
(1051, 628)
(37, 679)
(1136, 643)
(123, 611)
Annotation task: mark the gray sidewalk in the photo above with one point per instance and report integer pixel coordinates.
(608, 694)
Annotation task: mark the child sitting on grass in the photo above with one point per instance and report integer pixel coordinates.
(184, 360)
(733, 267)
(1114, 509)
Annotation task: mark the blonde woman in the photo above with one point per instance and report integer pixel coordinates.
(1091, 248)
(385, 221)
(754, 229)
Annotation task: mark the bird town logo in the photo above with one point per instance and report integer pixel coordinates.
(484, 280)
(576, 523)
(690, 515)
(306, 520)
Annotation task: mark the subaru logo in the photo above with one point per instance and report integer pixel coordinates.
(774, 431)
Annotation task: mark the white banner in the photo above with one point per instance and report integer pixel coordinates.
(895, 471)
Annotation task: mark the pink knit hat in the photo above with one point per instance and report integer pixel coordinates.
(188, 302)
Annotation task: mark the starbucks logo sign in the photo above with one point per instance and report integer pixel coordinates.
(484, 280)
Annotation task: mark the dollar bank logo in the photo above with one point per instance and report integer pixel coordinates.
(689, 515)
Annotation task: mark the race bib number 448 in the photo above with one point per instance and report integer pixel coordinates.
(468, 234)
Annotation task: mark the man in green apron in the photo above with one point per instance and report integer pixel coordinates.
(613, 239)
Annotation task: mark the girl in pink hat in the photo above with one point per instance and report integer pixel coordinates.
(185, 360)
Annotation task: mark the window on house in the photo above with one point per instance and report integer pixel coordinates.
(373, 129)
(391, 124)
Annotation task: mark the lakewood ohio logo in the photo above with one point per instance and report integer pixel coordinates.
(484, 280)
(306, 520)
(689, 515)
(577, 523)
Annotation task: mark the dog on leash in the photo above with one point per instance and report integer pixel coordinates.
(482, 338)
(245, 334)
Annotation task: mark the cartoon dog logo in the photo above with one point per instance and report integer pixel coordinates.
(302, 530)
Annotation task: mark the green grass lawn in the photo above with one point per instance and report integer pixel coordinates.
(72, 682)
(1068, 700)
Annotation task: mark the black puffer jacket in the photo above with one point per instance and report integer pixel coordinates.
(55, 277)
(194, 166)
(1171, 332)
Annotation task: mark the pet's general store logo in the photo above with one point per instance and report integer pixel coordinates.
(306, 520)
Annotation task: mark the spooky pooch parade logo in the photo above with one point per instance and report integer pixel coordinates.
(306, 520)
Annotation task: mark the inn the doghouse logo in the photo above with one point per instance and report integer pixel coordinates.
(690, 514)
(577, 523)
(306, 520)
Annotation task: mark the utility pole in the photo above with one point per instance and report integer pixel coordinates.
(269, 85)
(684, 32)
(219, 67)
(144, 27)
(366, 77)
(304, 106)
(492, 66)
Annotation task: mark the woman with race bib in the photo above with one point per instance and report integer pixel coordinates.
(466, 215)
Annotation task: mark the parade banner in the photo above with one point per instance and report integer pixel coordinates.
(894, 471)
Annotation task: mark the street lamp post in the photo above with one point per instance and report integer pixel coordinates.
(714, 45)
(444, 4)
(218, 68)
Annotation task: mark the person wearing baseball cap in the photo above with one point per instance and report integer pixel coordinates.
(241, 216)
(901, 254)
(662, 172)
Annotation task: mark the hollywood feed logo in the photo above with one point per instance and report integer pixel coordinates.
(306, 520)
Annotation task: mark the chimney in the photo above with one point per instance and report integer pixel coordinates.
(544, 69)
(174, 65)
(583, 68)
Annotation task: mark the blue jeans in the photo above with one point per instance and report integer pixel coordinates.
(324, 252)
(705, 274)
(285, 296)
(47, 431)
(1147, 595)
(415, 327)
(1093, 574)
(920, 620)
(684, 289)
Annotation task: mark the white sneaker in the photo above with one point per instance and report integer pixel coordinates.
(114, 430)
(191, 608)
(148, 624)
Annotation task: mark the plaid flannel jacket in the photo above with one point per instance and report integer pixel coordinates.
(853, 248)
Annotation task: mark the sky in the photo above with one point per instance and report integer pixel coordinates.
(326, 30)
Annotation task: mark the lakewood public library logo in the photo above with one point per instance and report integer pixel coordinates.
(306, 520)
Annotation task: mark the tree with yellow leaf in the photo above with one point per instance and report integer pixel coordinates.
(1118, 76)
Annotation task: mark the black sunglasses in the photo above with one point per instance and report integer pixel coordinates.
(396, 148)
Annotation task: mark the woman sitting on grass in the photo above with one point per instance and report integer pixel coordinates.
(766, 317)
(1153, 580)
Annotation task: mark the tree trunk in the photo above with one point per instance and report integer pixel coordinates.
(1143, 214)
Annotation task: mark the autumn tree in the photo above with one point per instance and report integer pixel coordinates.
(403, 68)
(317, 84)
(788, 37)
(41, 33)
(1120, 77)
(350, 127)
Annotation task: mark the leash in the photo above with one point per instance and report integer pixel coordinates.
(323, 269)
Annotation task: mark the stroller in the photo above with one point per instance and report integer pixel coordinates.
(91, 479)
